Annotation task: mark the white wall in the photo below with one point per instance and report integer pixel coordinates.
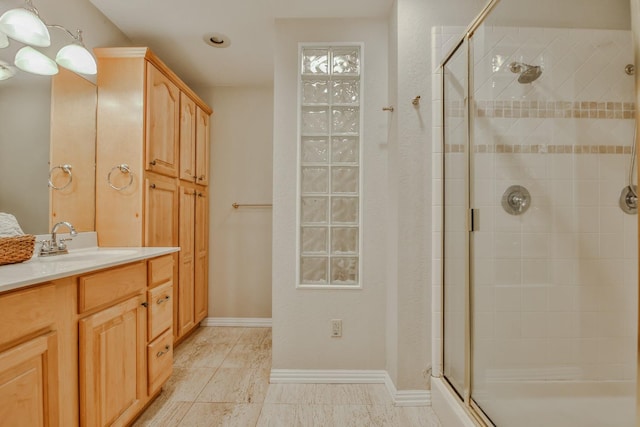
(301, 318)
(241, 171)
(24, 139)
(409, 272)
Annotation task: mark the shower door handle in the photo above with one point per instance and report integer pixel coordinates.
(474, 220)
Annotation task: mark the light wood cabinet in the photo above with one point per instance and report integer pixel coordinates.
(88, 350)
(186, 265)
(29, 383)
(149, 120)
(160, 309)
(201, 269)
(112, 375)
(194, 258)
(187, 138)
(162, 121)
(38, 345)
(160, 361)
(72, 192)
(161, 211)
(194, 142)
(202, 147)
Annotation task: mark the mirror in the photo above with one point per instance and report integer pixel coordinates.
(24, 151)
(38, 128)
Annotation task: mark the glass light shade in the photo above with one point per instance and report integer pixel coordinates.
(6, 71)
(4, 41)
(77, 58)
(25, 26)
(30, 60)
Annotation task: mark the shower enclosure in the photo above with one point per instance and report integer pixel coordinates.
(539, 259)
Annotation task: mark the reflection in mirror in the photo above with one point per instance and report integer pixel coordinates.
(38, 128)
(72, 158)
(24, 151)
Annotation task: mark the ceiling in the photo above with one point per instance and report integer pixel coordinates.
(175, 31)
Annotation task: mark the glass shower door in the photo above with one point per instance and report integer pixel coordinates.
(553, 270)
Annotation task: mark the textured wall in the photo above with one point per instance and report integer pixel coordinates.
(301, 317)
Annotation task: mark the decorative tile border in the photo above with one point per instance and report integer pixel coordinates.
(546, 109)
(540, 149)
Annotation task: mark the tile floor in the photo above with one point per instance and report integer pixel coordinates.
(221, 378)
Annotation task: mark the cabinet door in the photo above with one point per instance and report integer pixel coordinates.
(161, 211)
(202, 148)
(201, 294)
(112, 371)
(186, 320)
(162, 123)
(29, 382)
(187, 138)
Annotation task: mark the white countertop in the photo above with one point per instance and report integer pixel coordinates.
(77, 261)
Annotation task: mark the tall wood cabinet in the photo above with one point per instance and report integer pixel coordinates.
(152, 144)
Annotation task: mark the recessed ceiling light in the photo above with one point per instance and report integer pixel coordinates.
(217, 40)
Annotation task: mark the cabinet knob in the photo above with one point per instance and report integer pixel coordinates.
(163, 352)
(201, 177)
(200, 195)
(163, 300)
(145, 304)
(152, 186)
(152, 163)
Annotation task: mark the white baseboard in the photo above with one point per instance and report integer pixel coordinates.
(317, 376)
(246, 322)
(407, 397)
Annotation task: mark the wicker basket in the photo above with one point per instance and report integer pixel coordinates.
(16, 249)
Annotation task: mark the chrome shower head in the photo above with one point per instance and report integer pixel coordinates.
(528, 73)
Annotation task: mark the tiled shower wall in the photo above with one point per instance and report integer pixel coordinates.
(555, 289)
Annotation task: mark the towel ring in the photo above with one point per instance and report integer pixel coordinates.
(123, 168)
(66, 169)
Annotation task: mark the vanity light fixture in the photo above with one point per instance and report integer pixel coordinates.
(32, 61)
(24, 25)
(75, 56)
(4, 40)
(6, 71)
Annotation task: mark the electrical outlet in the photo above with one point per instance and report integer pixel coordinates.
(336, 328)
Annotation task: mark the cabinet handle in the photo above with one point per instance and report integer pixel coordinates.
(145, 304)
(163, 300)
(152, 186)
(194, 177)
(200, 195)
(163, 352)
(201, 177)
(152, 163)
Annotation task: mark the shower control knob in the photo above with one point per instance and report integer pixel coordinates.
(516, 200)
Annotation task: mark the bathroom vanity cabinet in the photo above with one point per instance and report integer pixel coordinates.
(152, 122)
(87, 350)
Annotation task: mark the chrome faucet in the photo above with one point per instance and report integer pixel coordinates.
(55, 246)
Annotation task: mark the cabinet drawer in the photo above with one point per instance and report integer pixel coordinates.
(102, 288)
(160, 270)
(160, 360)
(160, 301)
(25, 312)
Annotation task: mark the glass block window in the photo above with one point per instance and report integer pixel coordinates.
(329, 166)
